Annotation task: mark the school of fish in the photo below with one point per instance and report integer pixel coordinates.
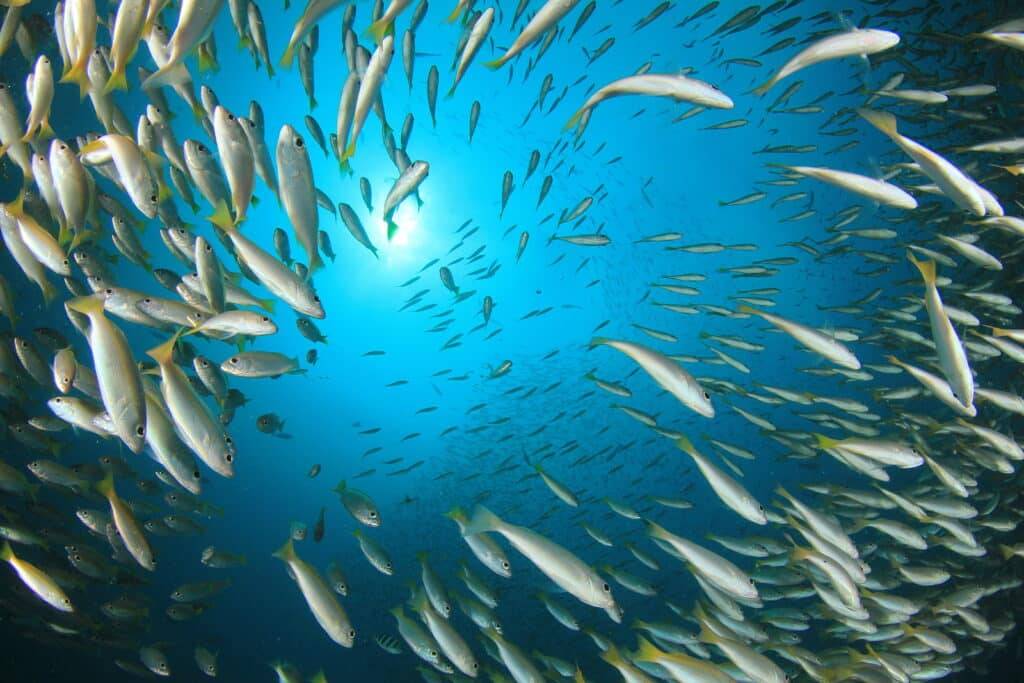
(907, 571)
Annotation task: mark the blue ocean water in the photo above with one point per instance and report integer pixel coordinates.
(422, 428)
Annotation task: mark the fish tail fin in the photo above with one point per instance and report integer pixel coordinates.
(118, 81)
(349, 152)
(454, 16)
(684, 444)
(207, 62)
(762, 89)
(1006, 551)
(495, 64)
(221, 215)
(312, 102)
(286, 552)
(612, 656)
(781, 490)
(81, 237)
(17, 207)
(655, 530)
(456, 514)
(165, 351)
(288, 57)
(49, 292)
(267, 305)
(646, 651)
(392, 228)
(106, 485)
(418, 601)
(380, 28)
(422, 555)
(45, 130)
(999, 331)
(340, 487)
(598, 341)
(750, 310)
(86, 304)
(882, 120)
(825, 442)
(926, 268)
(77, 74)
(574, 120)
(481, 521)
(6, 552)
(706, 635)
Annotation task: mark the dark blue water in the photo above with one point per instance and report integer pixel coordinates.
(471, 437)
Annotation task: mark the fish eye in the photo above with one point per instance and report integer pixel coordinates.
(299, 143)
(234, 360)
(108, 291)
(373, 514)
(265, 319)
(706, 395)
(152, 198)
(606, 588)
(231, 117)
(351, 633)
(316, 298)
(475, 666)
(140, 430)
(750, 581)
(433, 653)
(77, 557)
(504, 564)
(229, 458)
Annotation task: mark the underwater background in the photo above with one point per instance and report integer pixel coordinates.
(403, 403)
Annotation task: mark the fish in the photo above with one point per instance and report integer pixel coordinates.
(199, 430)
(318, 596)
(855, 42)
(677, 87)
(546, 17)
(297, 193)
(119, 382)
(667, 374)
(554, 561)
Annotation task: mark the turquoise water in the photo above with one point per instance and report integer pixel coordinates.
(422, 428)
